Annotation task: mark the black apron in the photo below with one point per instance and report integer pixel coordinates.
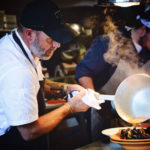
(12, 140)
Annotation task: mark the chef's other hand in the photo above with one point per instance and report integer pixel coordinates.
(76, 103)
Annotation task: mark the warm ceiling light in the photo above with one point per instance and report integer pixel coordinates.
(127, 4)
(121, 3)
(76, 27)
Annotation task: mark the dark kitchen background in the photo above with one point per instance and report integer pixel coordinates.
(90, 17)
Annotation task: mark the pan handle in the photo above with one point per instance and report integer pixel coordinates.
(107, 97)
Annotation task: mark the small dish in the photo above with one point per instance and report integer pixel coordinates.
(112, 131)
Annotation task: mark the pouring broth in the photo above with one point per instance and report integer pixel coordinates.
(135, 121)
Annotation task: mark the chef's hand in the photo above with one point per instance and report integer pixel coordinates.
(76, 103)
(73, 87)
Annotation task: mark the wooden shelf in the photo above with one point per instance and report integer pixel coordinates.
(5, 30)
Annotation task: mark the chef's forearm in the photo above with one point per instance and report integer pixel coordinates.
(45, 123)
(54, 85)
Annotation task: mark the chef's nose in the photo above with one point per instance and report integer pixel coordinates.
(56, 44)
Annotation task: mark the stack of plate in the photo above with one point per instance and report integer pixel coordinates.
(127, 144)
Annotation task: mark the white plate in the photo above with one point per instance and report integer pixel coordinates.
(112, 131)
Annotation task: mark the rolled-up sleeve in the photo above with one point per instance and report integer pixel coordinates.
(93, 60)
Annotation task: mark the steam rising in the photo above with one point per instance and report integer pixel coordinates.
(109, 25)
(121, 48)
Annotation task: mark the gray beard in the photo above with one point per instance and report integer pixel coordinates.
(38, 51)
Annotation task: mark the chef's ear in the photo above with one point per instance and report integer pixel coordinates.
(143, 29)
(30, 35)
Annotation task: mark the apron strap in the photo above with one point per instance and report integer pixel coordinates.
(21, 46)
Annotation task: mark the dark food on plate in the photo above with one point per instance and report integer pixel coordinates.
(135, 133)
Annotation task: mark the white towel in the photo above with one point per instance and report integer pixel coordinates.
(92, 99)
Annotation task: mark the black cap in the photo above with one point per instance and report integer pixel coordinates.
(42, 15)
(144, 17)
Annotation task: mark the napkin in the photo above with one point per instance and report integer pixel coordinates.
(92, 99)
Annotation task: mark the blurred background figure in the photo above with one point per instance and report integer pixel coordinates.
(110, 59)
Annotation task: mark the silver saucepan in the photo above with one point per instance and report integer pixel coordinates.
(132, 98)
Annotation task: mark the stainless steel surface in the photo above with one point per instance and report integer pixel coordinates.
(132, 98)
(106, 97)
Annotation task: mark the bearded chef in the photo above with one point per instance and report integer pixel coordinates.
(23, 122)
